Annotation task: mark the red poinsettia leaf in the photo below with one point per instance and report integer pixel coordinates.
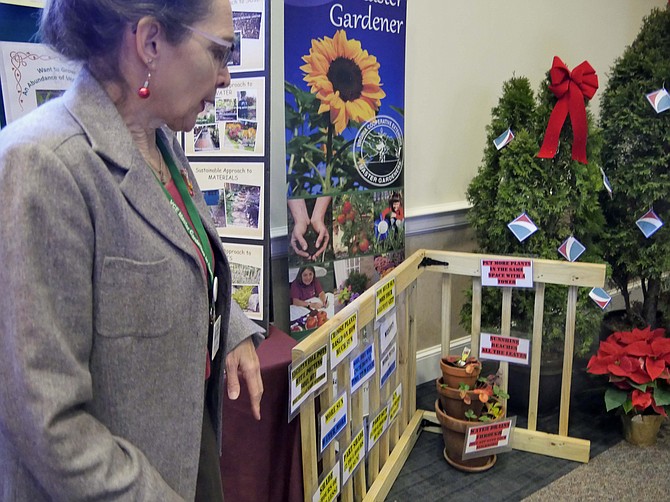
(654, 367)
(661, 346)
(614, 337)
(641, 400)
(616, 369)
(658, 333)
(639, 348)
(599, 365)
(628, 337)
(631, 367)
(610, 348)
(639, 377)
(659, 409)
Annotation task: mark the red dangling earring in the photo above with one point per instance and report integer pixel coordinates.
(144, 92)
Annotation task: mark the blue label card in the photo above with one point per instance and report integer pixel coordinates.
(362, 368)
(388, 364)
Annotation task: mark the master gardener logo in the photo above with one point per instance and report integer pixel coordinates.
(378, 151)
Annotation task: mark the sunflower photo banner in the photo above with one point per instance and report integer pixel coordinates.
(344, 64)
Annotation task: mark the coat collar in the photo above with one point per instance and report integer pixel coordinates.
(109, 137)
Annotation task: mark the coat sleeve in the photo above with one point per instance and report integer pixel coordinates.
(46, 250)
(240, 327)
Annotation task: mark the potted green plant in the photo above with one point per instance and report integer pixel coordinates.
(636, 159)
(637, 363)
(463, 369)
(355, 284)
(482, 402)
(457, 409)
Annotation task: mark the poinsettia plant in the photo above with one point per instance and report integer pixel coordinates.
(638, 365)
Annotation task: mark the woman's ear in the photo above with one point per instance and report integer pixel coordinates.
(148, 38)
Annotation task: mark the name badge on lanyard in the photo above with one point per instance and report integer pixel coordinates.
(199, 237)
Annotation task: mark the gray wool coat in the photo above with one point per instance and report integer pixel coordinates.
(103, 313)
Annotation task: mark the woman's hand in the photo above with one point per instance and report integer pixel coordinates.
(242, 360)
(315, 304)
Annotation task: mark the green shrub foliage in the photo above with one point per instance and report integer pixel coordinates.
(636, 159)
(560, 195)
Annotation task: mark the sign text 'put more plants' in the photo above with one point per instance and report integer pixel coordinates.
(507, 273)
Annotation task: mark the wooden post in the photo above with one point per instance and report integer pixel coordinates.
(536, 356)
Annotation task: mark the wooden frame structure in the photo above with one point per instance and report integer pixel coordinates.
(373, 480)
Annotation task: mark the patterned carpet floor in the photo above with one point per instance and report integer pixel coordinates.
(426, 476)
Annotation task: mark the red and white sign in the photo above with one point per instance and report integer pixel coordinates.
(504, 348)
(507, 273)
(489, 438)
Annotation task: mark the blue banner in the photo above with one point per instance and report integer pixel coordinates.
(345, 87)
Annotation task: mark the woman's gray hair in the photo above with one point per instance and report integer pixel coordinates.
(90, 31)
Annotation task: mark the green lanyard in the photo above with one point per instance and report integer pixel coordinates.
(199, 235)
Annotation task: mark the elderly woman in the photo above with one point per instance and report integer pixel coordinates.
(116, 321)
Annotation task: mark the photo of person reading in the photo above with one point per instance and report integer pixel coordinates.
(306, 290)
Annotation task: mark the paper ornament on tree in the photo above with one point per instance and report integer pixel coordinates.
(600, 296)
(571, 249)
(649, 223)
(504, 139)
(659, 99)
(522, 227)
(606, 182)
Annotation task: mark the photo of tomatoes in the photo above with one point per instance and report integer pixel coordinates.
(352, 224)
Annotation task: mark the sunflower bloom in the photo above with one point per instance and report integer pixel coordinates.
(345, 78)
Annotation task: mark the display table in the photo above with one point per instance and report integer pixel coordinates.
(262, 461)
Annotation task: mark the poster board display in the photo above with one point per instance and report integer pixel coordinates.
(229, 151)
(227, 148)
(344, 70)
(31, 74)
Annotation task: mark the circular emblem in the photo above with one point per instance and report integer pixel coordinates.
(378, 151)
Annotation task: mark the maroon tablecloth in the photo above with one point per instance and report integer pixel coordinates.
(262, 461)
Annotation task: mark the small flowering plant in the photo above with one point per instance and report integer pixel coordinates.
(638, 365)
(489, 393)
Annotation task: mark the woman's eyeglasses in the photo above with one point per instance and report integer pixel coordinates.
(222, 51)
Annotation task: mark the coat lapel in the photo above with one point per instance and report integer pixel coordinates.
(90, 105)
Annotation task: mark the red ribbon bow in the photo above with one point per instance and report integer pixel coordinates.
(570, 89)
